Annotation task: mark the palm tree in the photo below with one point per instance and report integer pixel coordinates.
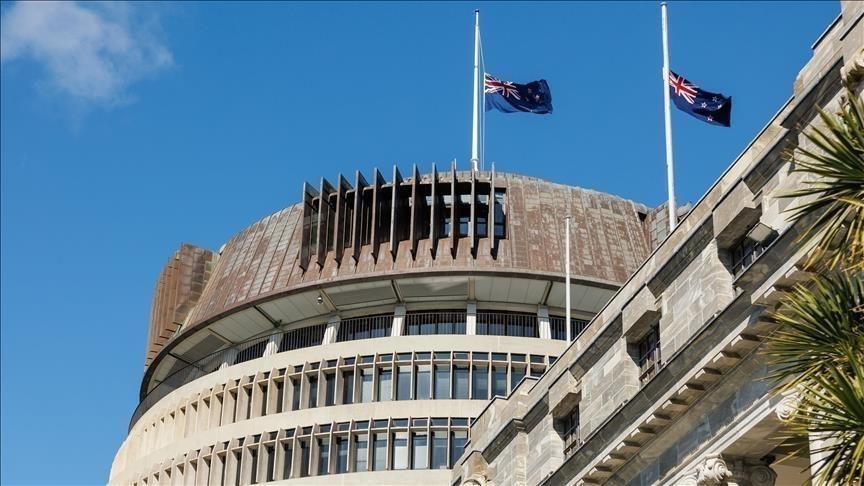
(819, 349)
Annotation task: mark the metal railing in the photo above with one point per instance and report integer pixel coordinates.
(507, 324)
(427, 323)
(365, 327)
(556, 326)
(238, 353)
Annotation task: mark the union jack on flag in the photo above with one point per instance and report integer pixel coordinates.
(713, 108)
(506, 88)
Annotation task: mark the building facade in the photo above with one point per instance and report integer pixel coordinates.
(666, 385)
(353, 337)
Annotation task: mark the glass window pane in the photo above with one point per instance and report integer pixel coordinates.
(439, 450)
(499, 380)
(295, 395)
(420, 451)
(400, 450)
(361, 452)
(304, 459)
(313, 391)
(423, 383)
(458, 439)
(385, 384)
(366, 385)
(516, 376)
(341, 455)
(348, 387)
(323, 456)
(288, 459)
(379, 452)
(329, 389)
(403, 383)
(480, 383)
(460, 382)
(442, 381)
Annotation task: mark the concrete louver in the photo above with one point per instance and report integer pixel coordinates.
(339, 216)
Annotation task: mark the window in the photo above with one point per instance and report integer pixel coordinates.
(341, 455)
(400, 450)
(507, 324)
(348, 387)
(271, 463)
(313, 391)
(295, 395)
(329, 389)
(403, 383)
(649, 354)
(460, 382)
(516, 375)
(458, 439)
(439, 450)
(365, 328)
(280, 388)
(426, 323)
(480, 383)
(366, 385)
(253, 453)
(323, 456)
(287, 452)
(379, 452)
(559, 331)
(500, 215)
(420, 451)
(385, 384)
(361, 452)
(570, 428)
(442, 381)
(746, 251)
(423, 383)
(304, 458)
(499, 380)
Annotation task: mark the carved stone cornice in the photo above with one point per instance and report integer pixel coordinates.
(715, 470)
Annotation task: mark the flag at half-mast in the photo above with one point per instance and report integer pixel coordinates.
(713, 108)
(510, 97)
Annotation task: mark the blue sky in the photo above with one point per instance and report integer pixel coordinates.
(130, 128)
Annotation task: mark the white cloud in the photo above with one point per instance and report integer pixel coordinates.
(92, 52)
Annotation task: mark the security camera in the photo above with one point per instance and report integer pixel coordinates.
(320, 299)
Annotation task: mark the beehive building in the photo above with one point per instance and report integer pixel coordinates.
(354, 336)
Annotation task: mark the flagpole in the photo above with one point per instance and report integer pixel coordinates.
(567, 278)
(475, 122)
(670, 175)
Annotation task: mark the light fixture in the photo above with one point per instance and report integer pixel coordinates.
(760, 232)
(320, 299)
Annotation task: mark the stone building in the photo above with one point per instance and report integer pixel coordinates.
(666, 384)
(327, 343)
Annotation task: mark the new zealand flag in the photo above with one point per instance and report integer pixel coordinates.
(510, 97)
(713, 108)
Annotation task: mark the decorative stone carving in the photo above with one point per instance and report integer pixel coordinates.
(761, 475)
(712, 471)
(853, 71)
(787, 406)
(477, 480)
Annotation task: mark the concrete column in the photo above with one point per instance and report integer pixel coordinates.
(332, 330)
(398, 321)
(471, 319)
(273, 344)
(543, 322)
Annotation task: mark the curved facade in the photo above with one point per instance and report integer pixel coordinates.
(354, 336)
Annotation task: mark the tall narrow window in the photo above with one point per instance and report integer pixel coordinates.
(420, 451)
(385, 384)
(347, 387)
(458, 439)
(313, 391)
(361, 452)
(304, 458)
(323, 456)
(460, 381)
(423, 383)
(649, 354)
(379, 452)
(400, 450)
(570, 428)
(280, 390)
(516, 375)
(253, 453)
(480, 383)
(403, 383)
(271, 463)
(329, 389)
(341, 455)
(439, 450)
(442, 381)
(295, 395)
(288, 454)
(499, 380)
(366, 379)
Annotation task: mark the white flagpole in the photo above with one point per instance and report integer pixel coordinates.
(567, 278)
(475, 122)
(670, 175)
